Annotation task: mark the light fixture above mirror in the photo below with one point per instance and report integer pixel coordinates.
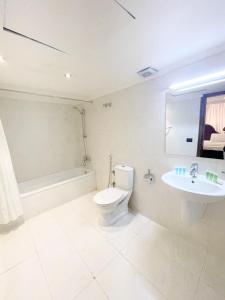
(199, 82)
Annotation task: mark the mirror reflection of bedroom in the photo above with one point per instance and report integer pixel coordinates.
(211, 142)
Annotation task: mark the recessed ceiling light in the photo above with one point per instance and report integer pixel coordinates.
(68, 75)
(2, 61)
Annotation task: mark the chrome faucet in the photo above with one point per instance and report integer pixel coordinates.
(194, 170)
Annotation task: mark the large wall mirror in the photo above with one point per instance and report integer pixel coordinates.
(195, 124)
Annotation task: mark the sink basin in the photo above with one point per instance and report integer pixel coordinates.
(205, 190)
(195, 194)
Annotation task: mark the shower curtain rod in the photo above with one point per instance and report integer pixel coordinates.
(44, 95)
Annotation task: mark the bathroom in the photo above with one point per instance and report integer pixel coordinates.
(75, 110)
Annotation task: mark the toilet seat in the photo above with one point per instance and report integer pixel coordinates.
(110, 196)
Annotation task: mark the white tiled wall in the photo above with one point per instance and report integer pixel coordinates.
(43, 138)
(132, 130)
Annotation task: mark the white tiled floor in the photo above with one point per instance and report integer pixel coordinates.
(64, 254)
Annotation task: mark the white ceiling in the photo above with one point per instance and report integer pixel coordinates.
(104, 46)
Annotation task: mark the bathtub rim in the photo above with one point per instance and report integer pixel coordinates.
(50, 186)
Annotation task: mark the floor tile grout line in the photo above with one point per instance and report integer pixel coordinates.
(198, 282)
(17, 264)
(45, 277)
(85, 288)
(98, 273)
(216, 291)
(136, 270)
(143, 275)
(78, 252)
(102, 289)
(105, 238)
(22, 260)
(119, 252)
(93, 276)
(75, 251)
(82, 290)
(211, 286)
(109, 241)
(173, 259)
(106, 266)
(42, 269)
(206, 283)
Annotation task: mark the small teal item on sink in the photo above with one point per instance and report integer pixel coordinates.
(180, 170)
(183, 171)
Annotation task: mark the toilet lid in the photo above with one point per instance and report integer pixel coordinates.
(109, 196)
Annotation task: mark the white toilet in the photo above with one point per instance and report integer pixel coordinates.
(113, 202)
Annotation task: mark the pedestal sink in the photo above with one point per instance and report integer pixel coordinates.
(195, 194)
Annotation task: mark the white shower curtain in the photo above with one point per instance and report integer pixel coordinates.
(215, 116)
(10, 205)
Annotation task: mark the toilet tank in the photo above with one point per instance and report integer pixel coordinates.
(124, 176)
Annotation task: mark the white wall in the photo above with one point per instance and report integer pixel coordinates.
(133, 131)
(183, 116)
(43, 138)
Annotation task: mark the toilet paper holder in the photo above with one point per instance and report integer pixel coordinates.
(149, 177)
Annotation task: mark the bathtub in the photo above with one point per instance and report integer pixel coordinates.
(41, 194)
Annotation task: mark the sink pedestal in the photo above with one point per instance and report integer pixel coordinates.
(195, 194)
(191, 212)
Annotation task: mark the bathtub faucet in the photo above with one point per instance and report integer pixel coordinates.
(86, 159)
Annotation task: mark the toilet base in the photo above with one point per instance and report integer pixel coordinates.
(109, 215)
(111, 218)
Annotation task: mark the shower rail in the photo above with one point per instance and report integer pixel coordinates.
(44, 95)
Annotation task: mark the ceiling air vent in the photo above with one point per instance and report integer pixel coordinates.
(147, 72)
